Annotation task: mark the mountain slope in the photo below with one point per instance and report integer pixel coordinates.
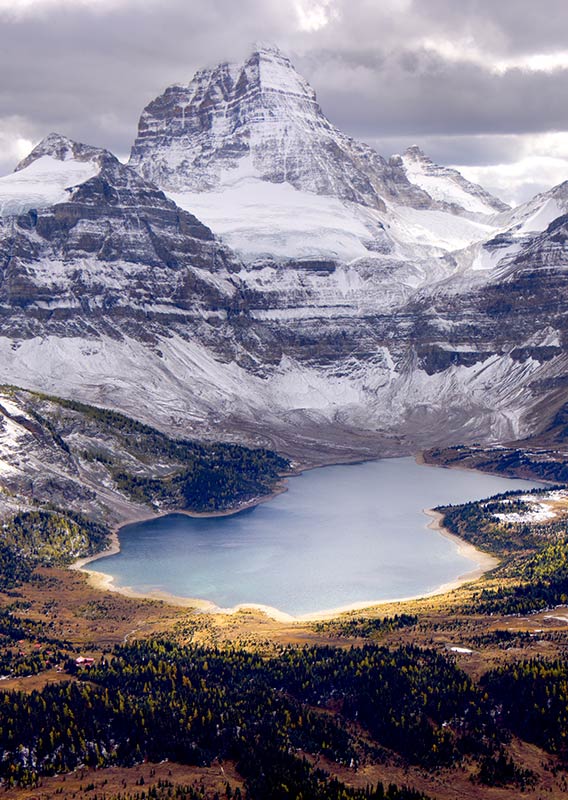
(108, 253)
(55, 452)
(355, 317)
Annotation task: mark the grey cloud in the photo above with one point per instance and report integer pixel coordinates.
(417, 93)
(509, 27)
(464, 150)
(88, 73)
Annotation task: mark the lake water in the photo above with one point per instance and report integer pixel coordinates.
(339, 536)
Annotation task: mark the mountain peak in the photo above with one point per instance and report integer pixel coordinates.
(51, 174)
(60, 147)
(265, 69)
(266, 48)
(417, 154)
(276, 72)
(448, 186)
(258, 120)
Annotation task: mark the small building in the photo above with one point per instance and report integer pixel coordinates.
(81, 661)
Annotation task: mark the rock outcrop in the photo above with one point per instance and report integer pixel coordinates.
(259, 119)
(329, 302)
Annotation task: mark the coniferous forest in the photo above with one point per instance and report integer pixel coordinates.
(296, 720)
(155, 700)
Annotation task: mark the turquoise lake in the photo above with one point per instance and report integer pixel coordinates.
(339, 536)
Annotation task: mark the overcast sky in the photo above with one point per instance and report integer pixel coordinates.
(478, 84)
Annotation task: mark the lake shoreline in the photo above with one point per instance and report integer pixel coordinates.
(114, 544)
(484, 562)
(419, 458)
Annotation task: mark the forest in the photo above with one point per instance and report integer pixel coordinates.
(50, 538)
(201, 476)
(535, 701)
(156, 700)
(533, 574)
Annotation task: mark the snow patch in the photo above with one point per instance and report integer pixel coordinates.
(542, 217)
(45, 182)
(489, 258)
(261, 219)
(442, 187)
(539, 510)
(438, 229)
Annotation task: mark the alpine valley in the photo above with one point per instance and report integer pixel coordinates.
(256, 293)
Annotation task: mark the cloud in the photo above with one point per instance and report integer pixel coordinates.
(541, 162)
(313, 16)
(518, 182)
(471, 78)
(16, 141)
(417, 92)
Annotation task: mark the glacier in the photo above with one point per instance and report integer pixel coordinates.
(255, 274)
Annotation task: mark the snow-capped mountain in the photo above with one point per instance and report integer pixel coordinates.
(448, 186)
(47, 175)
(312, 294)
(247, 148)
(81, 232)
(259, 119)
(515, 231)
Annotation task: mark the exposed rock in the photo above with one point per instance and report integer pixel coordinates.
(114, 257)
(259, 119)
(359, 314)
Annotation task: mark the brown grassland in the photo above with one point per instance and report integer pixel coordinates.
(92, 621)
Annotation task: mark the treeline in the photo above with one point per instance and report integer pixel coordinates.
(49, 538)
(155, 700)
(364, 627)
(202, 477)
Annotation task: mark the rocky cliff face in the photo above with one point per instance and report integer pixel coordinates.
(329, 302)
(259, 119)
(108, 254)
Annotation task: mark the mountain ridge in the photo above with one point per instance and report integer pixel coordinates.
(277, 313)
(263, 113)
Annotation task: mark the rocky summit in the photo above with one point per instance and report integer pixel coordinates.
(256, 272)
(259, 119)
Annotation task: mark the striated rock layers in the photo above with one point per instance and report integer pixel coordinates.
(330, 302)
